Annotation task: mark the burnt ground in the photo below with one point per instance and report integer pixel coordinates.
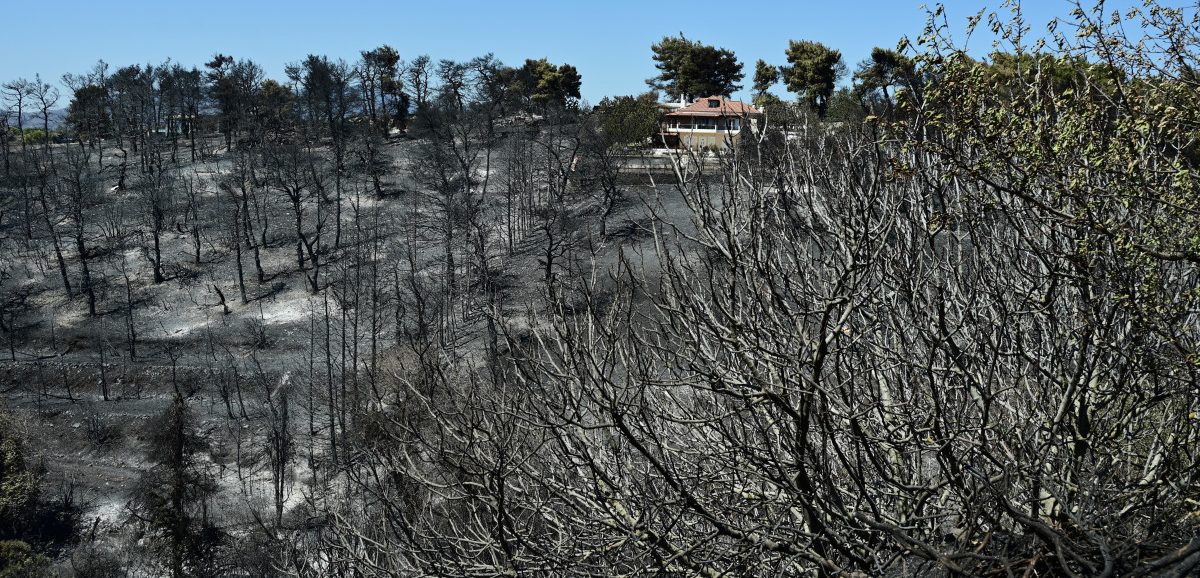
(95, 448)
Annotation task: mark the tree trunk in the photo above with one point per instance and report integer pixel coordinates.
(58, 253)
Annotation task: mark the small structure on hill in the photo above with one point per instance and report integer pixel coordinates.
(713, 122)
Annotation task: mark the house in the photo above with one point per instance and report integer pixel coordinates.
(714, 122)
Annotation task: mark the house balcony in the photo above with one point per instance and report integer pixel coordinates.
(724, 127)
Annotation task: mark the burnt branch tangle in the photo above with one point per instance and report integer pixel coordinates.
(439, 319)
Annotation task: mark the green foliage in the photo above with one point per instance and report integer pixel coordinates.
(1006, 73)
(19, 560)
(382, 73)
(690, 69)
(630, 120)
(1092, 137)
(31, 136)
(542, 83)
(765, 75)
(18, 488)
(232, 88)
(386, 58)
(879, 78)
(275, 111)
(25, 514)
(845, 106)
(224, 90)
(1095, 140)
(780, 113)
(813, 72)
(87, 115)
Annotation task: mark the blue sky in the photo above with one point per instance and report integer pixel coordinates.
(609, 42)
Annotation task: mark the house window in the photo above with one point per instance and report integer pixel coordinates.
(714, 103)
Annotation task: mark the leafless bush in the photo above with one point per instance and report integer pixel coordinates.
(99, 431)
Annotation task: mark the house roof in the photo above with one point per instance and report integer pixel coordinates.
(723, 107)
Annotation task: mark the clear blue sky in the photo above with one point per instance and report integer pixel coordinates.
(609, 42)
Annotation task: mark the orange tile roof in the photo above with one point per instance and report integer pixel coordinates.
(727, 107)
